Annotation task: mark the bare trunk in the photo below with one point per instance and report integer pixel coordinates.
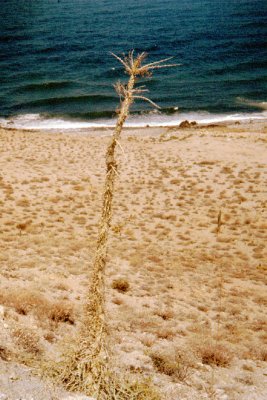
(95, 313)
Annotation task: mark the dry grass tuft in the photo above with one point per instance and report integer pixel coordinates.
(122, 285)
(23, 301)
(172, 364)
(27, 339)
(215, 354)
(26, 301)
(61, 312)
(5, 353)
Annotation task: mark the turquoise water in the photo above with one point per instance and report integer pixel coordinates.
(56, 69)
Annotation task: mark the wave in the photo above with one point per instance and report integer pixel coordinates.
(253, 103)
(82, 99)
(44, 85)
(13, 37)
(151, 119)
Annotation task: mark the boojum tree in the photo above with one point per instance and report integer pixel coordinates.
(87, 369)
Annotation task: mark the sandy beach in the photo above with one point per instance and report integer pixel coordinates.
(188, 241)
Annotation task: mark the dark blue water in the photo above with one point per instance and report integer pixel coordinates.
(55, 61)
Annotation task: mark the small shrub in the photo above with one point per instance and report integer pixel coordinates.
(27, 339)
(165, 314)
(215, 354)
(28, 301)
(263, 354)
(4, 353)
(121, 285)
(140, 390)
(49, 337)
(23, 301)
(61, 312)
(256, 353)
(174, 365)
(23, 203)
(166, 333)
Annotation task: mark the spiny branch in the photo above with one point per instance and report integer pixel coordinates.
(134, 65)
(146, 99)
(134, 68)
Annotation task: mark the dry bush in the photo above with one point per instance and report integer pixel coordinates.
(23, 226)
(165, 332)
(166, 314)
(49, 337)
(207, 162)
(263, 354)
(122, 285)
(256, 352)
(141, 390)
(62, 286)
(27, 339)
(226, 170)
(172, 364)
(5, 353)
(247, 367)
(259, 325)
(215, 354)
(154, 259)
(61, 312)
(23, 301)
(147, 339)
(23, 203)
(27, 301)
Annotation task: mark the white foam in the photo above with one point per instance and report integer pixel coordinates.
(37, 122)
(153, 119)
(199, 117)
(253, 103)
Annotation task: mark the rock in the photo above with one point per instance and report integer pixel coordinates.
(3, 396)
(187, 124)
(184, 124)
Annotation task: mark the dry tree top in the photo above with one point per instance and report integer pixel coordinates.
(135, 67)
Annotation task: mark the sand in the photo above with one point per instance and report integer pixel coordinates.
(188, 236)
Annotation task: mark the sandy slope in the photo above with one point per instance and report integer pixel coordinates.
(196, 287)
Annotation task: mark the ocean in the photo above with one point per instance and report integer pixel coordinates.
(57, 70)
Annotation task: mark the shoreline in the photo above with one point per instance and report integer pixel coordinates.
(185, 126)
(39, 122)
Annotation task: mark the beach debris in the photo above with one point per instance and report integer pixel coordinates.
(219, 221)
